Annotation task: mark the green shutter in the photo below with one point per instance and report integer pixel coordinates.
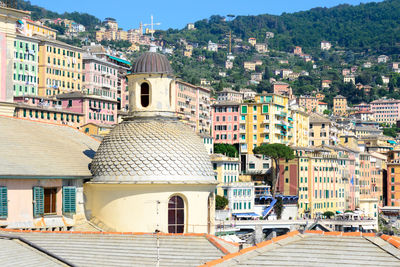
(244, 109)
(265, 109)
(69, 199)
(38, 201)
(3, 203)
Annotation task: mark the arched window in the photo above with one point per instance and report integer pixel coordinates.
(176, 215)
(145, 94)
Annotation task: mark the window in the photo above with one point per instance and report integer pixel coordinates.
(176, 215)
(69, 199)
(145, 94)
(38, 201)
(3, 202)
(244, 109)
(265, 108)
(252, 166)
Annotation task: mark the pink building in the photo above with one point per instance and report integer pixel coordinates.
(97, 109)
(386, 110)
(226, 122)
(100, 77)
(193, 106)
(122, 66)
(44, 109)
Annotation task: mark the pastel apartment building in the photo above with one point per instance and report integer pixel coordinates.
(98, 110)
(386, 110)
(322, 131)
(309, 103)
(8, 21)
(32, 28)
(226, 172)
(264, 122)
(339, 105)
(225, 121)
(60, 67)
(99, 77)
(25, 75)
(230, 95)
(316, 177)
(282, 88)
(194, 106)
(44, 109)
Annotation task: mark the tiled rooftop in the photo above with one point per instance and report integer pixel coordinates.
(120, 249)
(31, 148)
(316, 248)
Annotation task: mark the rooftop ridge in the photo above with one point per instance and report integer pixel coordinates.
(50, 123)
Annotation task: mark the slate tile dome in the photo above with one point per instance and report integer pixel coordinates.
(152, 62)
(152, 151)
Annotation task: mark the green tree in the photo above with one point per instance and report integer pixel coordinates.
(278, 208)
(226, 149)
(328, 214)
(327, 112)
(221, 202)
(275, 152)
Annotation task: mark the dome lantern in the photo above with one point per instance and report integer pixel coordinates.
(152, 91)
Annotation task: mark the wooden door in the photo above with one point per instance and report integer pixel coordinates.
(50, 198)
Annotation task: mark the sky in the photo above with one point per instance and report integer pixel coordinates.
(177, 13)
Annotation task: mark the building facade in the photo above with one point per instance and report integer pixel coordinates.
(225, 121)
(25, 76)
(60, 68)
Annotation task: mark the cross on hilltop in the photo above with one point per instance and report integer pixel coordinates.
(152, 24)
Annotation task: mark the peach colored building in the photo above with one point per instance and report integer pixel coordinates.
(225, 121)
(282, 88)
(297, 50)
(309, 103)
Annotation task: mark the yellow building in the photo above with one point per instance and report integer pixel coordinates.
(339, 105)
(8, 21)
(316, 176)
(96, 129)
(60, 67)
(321, 132)
(301, 124)
(264, 122)
(36, 29)
(226, 172)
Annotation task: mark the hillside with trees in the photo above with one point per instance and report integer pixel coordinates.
(371, 26)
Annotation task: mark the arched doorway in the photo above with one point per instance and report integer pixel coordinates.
(176, 215)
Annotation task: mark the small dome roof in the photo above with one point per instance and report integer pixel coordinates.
(152, 62)
(152, 151)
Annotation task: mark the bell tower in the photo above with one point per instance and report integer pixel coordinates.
(152, 91)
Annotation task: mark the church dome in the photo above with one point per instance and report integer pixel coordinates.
(152, 151)
(152, 62)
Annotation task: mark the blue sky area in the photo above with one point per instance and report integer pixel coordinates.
(176, 14)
